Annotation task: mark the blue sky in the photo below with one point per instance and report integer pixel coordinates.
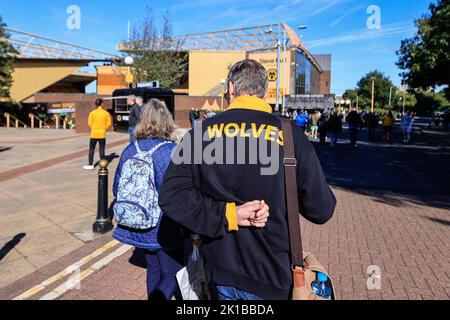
(338, 27)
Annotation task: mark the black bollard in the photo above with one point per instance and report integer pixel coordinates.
(103, 223)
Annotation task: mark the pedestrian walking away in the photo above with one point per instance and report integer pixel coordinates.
(302, 120)
(140, 221)
(99, 122)
(194, 116)
(407, 126)
(238, 204)
(388, 124)
(314, 124)
(135, 114)
(323, 125)
(354, 123)
(372, 123)
(335, 126)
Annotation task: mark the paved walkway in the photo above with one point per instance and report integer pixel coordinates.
(403, 231)
(48, 209)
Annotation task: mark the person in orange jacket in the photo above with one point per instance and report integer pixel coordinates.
(99, 122)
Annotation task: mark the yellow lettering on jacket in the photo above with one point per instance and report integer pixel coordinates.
(244, 133)
(257, 132)
(229, 133)
(232, 130)
(215, 131)
(270, 132)
(280, 140)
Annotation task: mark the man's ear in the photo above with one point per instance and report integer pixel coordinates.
(266, 96)
(231, 91)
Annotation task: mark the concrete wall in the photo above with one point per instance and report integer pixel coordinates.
(325, 82)
(110, 78)
(325, 77)
(31, 76)
(269, 60)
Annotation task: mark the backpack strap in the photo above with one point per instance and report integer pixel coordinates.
(136, 144)
(153, 150)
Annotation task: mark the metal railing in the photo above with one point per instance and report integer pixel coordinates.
(32, 46)
(41, 122)
(17, 122)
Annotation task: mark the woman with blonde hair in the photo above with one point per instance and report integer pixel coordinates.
(141, 222)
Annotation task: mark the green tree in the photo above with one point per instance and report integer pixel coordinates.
(425, 58)
(383, 86)
(410, 101)
(156, 54)
(8, 55)
(350, 94)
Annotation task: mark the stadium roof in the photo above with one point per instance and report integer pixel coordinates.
(243, 39)
(31, 46)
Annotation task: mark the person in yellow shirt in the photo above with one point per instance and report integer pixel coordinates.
(99, 122)
(388, 123)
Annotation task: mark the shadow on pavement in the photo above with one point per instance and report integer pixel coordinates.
(11, 245)
(396, 174)
(112, 157)
(138, 258)
(3, 149)
(440, 221)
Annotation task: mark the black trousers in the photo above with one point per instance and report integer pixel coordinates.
(353, 136)
(372, 134)
(92, 145)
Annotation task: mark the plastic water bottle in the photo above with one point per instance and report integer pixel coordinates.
(321, 286)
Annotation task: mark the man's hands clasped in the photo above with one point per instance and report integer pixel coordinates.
(253, 214)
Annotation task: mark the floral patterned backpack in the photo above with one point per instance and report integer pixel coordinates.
(137, 198)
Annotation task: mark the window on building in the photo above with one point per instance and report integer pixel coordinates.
(302, 75)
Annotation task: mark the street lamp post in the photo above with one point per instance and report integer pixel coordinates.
(404, 101)
(277, 105)
(373, 93)
(223, 82)
(390, 97)
(129, 61)
(284, 73)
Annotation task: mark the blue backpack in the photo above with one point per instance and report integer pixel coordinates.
(137, 198)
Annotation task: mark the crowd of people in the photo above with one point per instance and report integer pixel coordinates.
(196, 116)
(233, 212)
(328, 125)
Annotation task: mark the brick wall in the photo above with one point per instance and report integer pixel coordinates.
(184, 104)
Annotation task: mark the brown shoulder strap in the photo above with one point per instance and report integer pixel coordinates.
(290, 176)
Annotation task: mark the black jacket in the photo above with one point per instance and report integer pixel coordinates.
(196, 196)
(354, 119)
(135, 115)
(335, 123)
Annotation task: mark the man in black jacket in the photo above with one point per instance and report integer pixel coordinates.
(135, 115)
(223, 177)
(354, 123)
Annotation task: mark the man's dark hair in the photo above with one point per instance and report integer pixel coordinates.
(249, 78)
(98, 102)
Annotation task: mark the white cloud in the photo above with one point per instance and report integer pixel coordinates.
(404, 28)
(345, 15)
(323, 8)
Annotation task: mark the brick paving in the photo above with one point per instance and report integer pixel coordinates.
(408, 242)
(406, 234)
(14, 173)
